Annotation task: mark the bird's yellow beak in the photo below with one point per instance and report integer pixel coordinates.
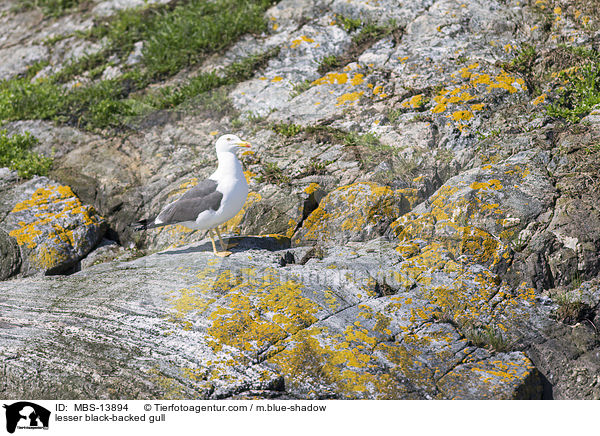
(244, 144)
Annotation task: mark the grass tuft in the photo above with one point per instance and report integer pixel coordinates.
(16, 154)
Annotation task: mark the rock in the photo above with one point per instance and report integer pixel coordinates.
(105, 251)
(481, 211)
(357, 212)
(53, 228)
(10, 256)
(7, 177)
(297, 61)
(110, 7)
(135, 57)
(16, 60)
(220, 327)
(381, 12)
(443, 216)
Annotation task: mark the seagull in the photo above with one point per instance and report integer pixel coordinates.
(212, 201)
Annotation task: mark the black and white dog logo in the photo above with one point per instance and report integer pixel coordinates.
(26, 415)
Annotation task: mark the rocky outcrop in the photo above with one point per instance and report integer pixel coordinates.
(246, 325)
(357, 212)
(53, 229)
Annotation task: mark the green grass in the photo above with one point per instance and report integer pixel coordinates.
(170, 96)
(15, 154)
(183, 36)
(176, 38)
(95, 106)
(52, 8)
(580, 94)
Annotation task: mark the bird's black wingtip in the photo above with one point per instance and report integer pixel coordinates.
(142, 225)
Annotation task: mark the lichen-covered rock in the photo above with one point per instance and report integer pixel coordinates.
(297, 62)
(356, 212)
(10, 256)
(481, 211)
(220, 327)
(53, 228)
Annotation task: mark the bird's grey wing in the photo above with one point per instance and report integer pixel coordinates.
(204, 188)
(190, 205)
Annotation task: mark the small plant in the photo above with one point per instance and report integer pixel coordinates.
(271, 173)
(315, 168)
(524, 59)
(373, 32)
(299, 88)
(368, 140)
(15, 154)
(394, 114)
(519, 243)
(287, 130)
(329, 63)
(572, 311)
(462, 59)
(490, 337)
(580, 95)
(349, 24)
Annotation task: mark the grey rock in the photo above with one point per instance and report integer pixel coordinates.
(15, 60)
(10, 256)
(109, 7)
(52, 227)
(246, 324)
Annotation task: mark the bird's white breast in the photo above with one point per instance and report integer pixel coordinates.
(235, 193)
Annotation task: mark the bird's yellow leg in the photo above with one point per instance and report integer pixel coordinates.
(220, 239)
(229, 243)
(210, 233)
(223, 253)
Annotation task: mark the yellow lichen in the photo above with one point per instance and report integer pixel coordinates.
(350, 97)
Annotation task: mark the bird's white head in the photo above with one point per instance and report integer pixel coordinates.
(230, 143)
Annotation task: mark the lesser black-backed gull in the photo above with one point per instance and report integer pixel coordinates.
(212, 201)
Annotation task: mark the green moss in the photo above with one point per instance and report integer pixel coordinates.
(15, 154)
